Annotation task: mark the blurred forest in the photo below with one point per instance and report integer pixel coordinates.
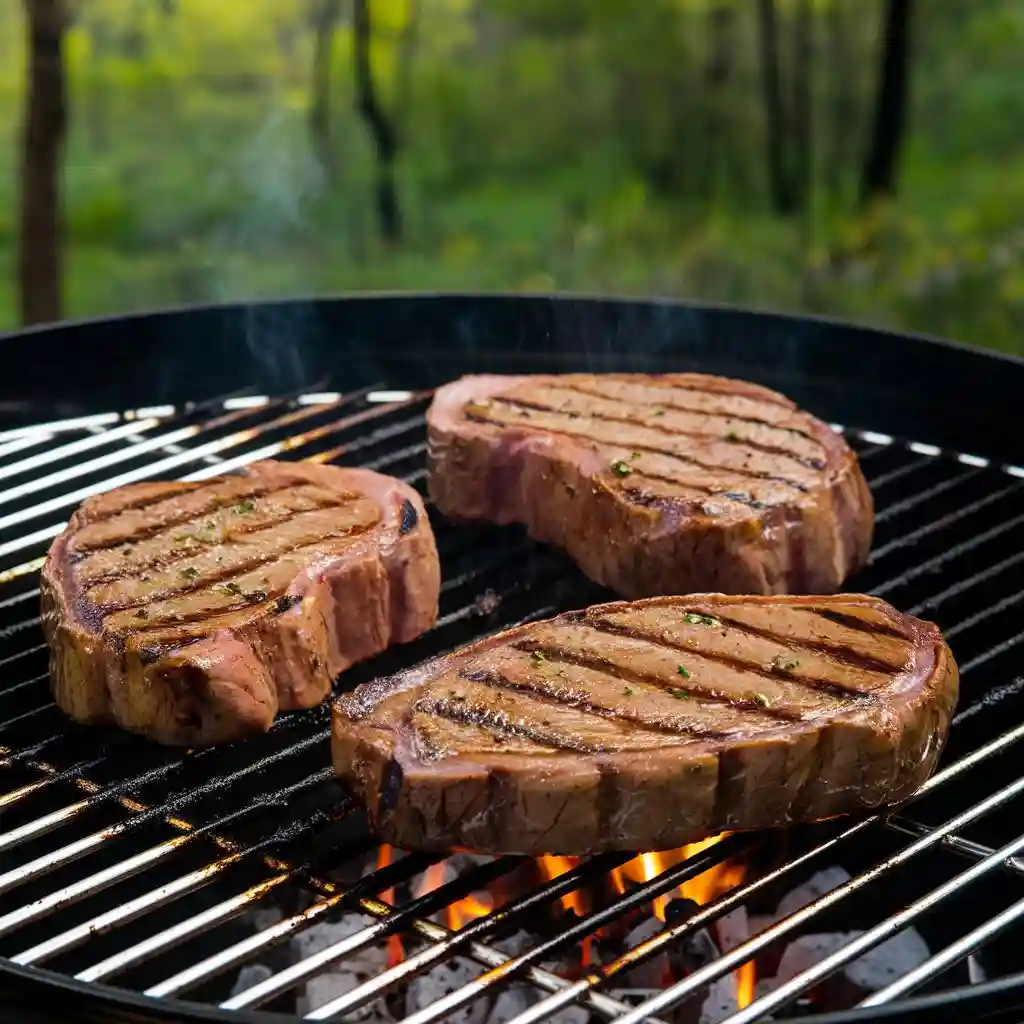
(862, 158)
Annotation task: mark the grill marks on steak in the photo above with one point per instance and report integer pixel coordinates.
(193, 612)
(651, 724)
(230, 573)
(708, 461)
(742, 491)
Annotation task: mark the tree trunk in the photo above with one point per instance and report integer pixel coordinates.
(717, 74)
(881, 168)
(407, 44)
(842, 104)
(803, 122)
(380, 127)
(325, 21)
(783, 193)
(44, 128)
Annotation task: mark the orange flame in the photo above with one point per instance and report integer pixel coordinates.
(461, 912)
(551, 867)
(702, 890)
(396, 951)
(746, 981)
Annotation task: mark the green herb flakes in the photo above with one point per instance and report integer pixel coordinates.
(696, 619)
(731, 435)
(683, 671)
(634, 456)
(620, 467)
(230, 588)
(659, 412)
(245, 507)
(680, 695)
(258, 596)
(784, 663)
(141, 613)
(763, 700)
(628, 691)
(538, 657)
(181, 538)
(190, 572)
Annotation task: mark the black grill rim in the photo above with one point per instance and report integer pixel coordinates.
(33, 995)
(917, 383)
(808, 358)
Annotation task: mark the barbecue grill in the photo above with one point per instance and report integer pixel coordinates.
(129, 873)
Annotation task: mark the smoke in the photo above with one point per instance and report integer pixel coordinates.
(279, 178)
(275, 181)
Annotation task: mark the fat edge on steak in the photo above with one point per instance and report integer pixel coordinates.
(193, 613)
(647, 725)
(656, 484)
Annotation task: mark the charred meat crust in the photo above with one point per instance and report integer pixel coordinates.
(512, 745)
(193, 613)
(661, 484)
(410, 517)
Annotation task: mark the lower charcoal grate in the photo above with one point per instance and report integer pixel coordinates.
(243, 878)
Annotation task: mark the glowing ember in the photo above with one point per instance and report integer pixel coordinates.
(746, 981)
(707, 886)
(551, 867)
(433, 878)
(702, 890)
(396, 951)
(461, 912)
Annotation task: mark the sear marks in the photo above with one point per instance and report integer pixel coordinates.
(656, 483)
(192, 613)
(652, 724)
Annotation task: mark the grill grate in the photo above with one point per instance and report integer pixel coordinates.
(182, 844)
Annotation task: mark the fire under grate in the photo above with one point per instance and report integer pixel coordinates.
(243, 878)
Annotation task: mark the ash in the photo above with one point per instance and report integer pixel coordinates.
(713, 1005)
(342, 977)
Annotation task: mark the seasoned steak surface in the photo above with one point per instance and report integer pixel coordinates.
(193, 612)
(647, 725)
(656, 484)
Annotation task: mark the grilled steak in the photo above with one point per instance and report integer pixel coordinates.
(656, 484)
(193, 612)
(644, 726)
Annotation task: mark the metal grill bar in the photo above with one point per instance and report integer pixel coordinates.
(951, 955)
(103, 879)
(162, 895)
(746, 950)
(240, 450)
(168, 811)
(738, 897)
(897, 508)
(662, 883)
(172, 462)
(946, 556)
(874, 936)
(965, 847)
(445, 895)
(223, 911)
(454, 942)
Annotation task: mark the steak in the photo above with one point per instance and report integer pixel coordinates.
(193, 612)
(662, 484)
(647, 725)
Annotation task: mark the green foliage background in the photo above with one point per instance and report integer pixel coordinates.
(572, 145)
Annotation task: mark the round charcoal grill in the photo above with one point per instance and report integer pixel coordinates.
(132, 877)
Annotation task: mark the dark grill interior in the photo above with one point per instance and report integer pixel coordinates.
(132, 865)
